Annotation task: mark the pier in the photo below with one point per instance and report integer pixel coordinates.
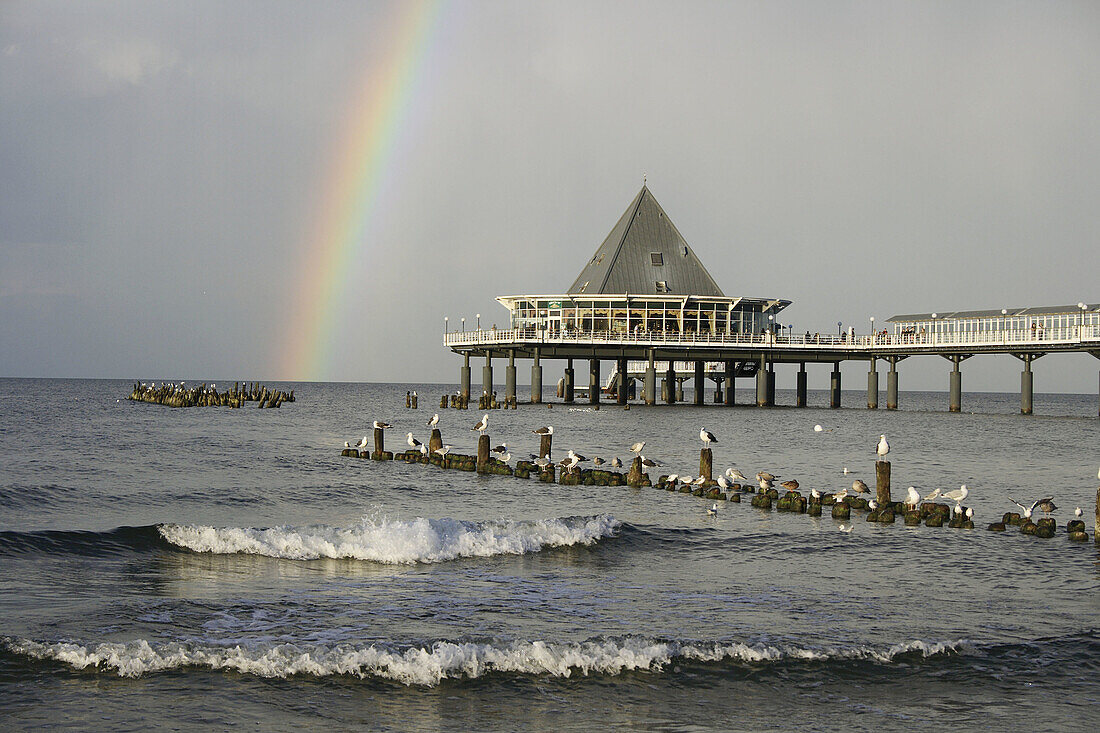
(645, 304)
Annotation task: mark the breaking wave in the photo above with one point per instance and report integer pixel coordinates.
(430, 665)
(395, 541)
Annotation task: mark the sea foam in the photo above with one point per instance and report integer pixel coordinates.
(428, 666)
(395, 541)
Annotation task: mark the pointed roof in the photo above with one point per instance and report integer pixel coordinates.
(644, 249)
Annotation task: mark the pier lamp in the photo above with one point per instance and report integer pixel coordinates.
(1004, 324)
(445, 319)
(1081, 329)
(464, 324)
(771, 324)
(872, 330)
(478, 321)
(934, 316)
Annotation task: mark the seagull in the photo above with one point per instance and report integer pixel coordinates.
(672, 479)
(578, 457)
(1077, 513)
(347, 444)
(958, 509)
(572, 462)
(637, 447)
(713, 511)
(958, 494)
(970, 512)
(846, 471)
(707, 437)
(883, 447)
(700, 481)
(845, 528)
(766, 476)
(859, 487)
(548, 430)
(791, 485)
(840, 496)
(912, 497)
(1047, 505)
(933, 496)
(765, 484)
(362, 443)
(381, 425)
(818, 429)
(542, 462)
(413, 442)
(502, 448)
(872, 505)
(649, 462)
(1027, 509)
(815, 493)
(598, 461)
(724, 483)
(505, 458)
(444, 450)
(423, 449)
(616, 463)
(482, 423)
(434, 421)
(736, 475)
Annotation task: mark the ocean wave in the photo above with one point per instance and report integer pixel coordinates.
(430, 665)
(395, 541)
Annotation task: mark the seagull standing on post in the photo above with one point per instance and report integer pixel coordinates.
(637, 447)
(434, 421)
(706, 436)
(883, 447)
(482, 423)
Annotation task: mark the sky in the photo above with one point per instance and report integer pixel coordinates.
(287, 190)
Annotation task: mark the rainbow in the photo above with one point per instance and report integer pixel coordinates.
(360, 164)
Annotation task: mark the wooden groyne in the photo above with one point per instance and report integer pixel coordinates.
(881, 509)
(179, 395)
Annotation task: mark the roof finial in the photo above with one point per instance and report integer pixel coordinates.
(643, 180)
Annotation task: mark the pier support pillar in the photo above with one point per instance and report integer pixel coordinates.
(730, 384)
(464, 377)
(956, 386)
(536, 379)
(761, 385)
(487, 374)
(872, 386)
(670, 383)
(510, 378)
(892, 385)
(834, 386)
(651, 381)
(771, 385)
(568, 395)
(594, 381)
(1026, 385)
(624, 382)
(800, 386)
(700, 384)
(679, 390)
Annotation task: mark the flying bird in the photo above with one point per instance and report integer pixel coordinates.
(434, 421)
(706, 436)
(482, 423)
(883, 447)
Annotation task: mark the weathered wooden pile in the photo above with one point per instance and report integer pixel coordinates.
(179, 395)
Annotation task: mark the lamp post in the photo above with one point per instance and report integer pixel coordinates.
(934, 329)
(771, 327)
(445, 326)
(1004, 325)
(872, 330)
(1081, 328)
(478, 321)
(464, 324)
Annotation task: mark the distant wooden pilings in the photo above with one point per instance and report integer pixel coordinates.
(179, 395)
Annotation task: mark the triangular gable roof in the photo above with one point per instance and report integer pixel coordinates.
(628, 261)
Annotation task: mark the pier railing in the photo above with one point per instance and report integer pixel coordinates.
(1086, 335)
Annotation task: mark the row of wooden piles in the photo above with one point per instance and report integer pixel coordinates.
(174, 395)
(484, 402)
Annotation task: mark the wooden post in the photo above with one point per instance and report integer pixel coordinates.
(634, 475)
(482, 453)
(1096, 527)
(545, 442)
(882, 483)
(379, 443)
(705, 459)
(436, 441)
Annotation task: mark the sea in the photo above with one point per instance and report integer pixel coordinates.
(220, 569)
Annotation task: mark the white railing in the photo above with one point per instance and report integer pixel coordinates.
(880, 342)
